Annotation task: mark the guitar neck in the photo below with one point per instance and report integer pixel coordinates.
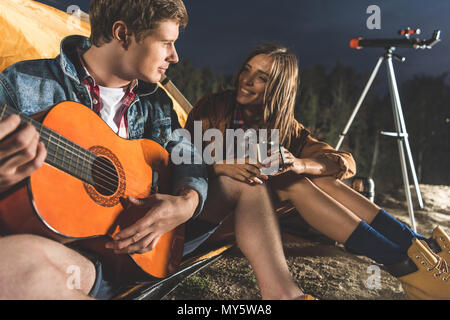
(61, 152)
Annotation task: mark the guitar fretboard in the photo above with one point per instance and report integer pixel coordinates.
(61, 152)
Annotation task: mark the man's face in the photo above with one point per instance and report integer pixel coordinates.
(149, 59)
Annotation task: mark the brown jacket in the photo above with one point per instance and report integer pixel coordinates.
(216, 111)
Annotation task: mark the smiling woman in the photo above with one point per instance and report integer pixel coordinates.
(269, 78)
(310, 182)
(252, 81)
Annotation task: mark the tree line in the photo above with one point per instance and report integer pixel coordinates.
(326, 100)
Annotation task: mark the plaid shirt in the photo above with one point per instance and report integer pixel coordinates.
(237, 122)
(97, 103)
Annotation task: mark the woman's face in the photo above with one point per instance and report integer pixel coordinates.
(253, 80)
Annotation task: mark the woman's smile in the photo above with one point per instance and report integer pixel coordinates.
(253, 80)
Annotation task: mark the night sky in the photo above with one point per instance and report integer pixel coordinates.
(221, 33)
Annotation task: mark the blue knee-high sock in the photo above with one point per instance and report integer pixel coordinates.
(365, 240)
(394, 230)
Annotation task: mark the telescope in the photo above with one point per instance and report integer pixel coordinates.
(406, 42)
(400, 134)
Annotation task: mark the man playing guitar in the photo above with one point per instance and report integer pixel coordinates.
(115, 74)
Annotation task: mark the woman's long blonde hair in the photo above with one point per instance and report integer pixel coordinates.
(281, 89)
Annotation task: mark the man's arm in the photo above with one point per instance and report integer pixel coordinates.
(162, 212)
(21, 153)
(192, 175)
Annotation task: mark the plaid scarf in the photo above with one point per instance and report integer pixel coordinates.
(237, 122)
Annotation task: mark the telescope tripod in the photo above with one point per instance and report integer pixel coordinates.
(400, 127)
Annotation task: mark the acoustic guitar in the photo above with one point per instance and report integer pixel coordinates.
(77, 195)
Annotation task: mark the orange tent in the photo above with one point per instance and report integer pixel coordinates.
(32, 30)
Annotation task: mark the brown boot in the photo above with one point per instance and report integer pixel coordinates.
(443, 241)
(425, 275)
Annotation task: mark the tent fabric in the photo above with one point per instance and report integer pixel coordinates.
(182, 115)
(32, 30)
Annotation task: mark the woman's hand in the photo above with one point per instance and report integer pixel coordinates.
(291, 163)
(246, 172)
(308, 166)
(161, 213)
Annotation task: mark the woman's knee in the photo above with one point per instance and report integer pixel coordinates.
(287, 187)
(233, 189)
(326, 181)
(241, 193)
(223, 197)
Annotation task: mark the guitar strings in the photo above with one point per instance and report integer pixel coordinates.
(107, 176)
(85, 156)
(101, 179)
(111, 176)
(107, 180)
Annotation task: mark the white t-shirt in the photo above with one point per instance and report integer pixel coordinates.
(111, 109)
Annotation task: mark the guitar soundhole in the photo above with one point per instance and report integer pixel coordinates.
(105, 176)
(108, 178)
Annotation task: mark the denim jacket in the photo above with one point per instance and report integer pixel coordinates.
(32, 86)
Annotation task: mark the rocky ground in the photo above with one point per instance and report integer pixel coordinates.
(321, 268)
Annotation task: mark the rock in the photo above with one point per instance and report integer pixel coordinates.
(435, 198)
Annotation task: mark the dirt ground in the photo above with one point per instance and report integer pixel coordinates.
(320, 267)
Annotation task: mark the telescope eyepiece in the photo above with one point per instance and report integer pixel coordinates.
(407, 32)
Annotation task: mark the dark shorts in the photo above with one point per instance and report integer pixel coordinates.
(104, 288)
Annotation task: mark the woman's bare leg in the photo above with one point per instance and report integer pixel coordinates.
(352, 200)
(257, 233)
(319, 210)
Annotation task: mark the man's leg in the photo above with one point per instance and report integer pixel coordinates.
(32, 267)
(257, 233)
